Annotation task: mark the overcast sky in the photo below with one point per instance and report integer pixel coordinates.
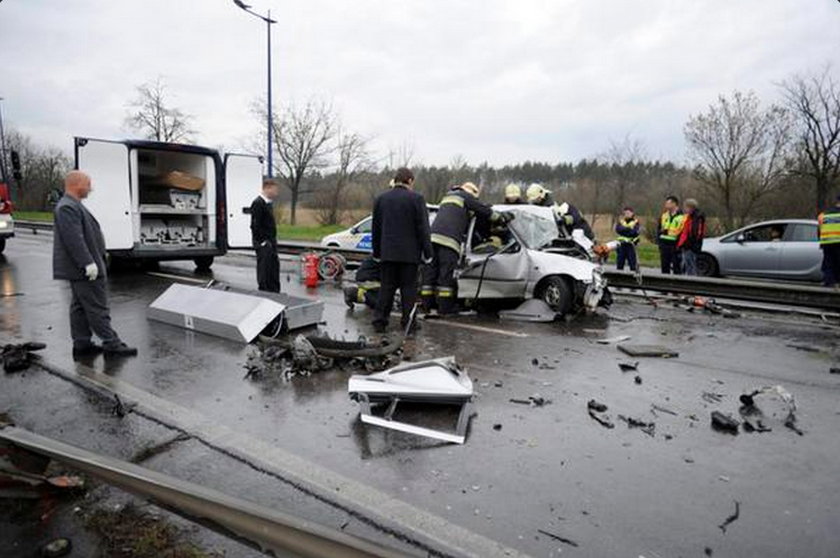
(496, 80)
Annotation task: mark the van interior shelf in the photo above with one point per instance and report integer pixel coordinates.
(169, 210)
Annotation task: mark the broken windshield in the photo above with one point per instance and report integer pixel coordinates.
(534, 231)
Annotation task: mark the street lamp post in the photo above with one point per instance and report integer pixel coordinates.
(270, 124)
(4, 175)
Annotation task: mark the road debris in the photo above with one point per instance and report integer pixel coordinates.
(648, 351)
(638, 380)
(724, 423)
(834, 370)
(754, 416)
(611, 340)
(628, 366)
(732, 518)
(558, 538)
(57, 548)
(598, 411)
(648, 428)
(534, 401)
(654, 407)
(711, 397)
(18, 357)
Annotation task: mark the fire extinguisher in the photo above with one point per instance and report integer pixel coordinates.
(310, 270)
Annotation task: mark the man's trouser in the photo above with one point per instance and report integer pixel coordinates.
(626, 254)
(669, 257)
(268, 269)
(831, 264)
(689, 262)
(89, 314)
(439, 283)
(396, 275)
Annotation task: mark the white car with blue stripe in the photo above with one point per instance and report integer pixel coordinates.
(359, 236)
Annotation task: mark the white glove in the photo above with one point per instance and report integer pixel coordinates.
(91, 271)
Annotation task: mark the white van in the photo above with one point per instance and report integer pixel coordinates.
(163, 201)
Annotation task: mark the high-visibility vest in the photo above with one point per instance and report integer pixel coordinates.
(671, 226)
(631, 223)
(829, 227)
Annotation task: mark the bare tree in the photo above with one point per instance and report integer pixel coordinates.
(302, 137)
(402, 155)
(150, 115)
(741, 152)
(353, 160)
(627, 159)
(815, 102)
(42, 171)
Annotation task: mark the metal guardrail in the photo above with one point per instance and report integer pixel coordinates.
(756, 291)
(739, 289)
(35, 226)
(273, 532)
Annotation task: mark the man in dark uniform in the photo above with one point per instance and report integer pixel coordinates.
(400, 243)
(449, 231)
(568, 216)
(264, 237)
(79, 257)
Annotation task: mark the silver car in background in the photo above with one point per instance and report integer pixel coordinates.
(782, 249)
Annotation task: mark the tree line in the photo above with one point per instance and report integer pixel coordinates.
(746, 159)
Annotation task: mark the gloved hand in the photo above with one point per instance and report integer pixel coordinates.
(91, 272)
(569, 219)
(507, 217)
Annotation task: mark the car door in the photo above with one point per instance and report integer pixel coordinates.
(801, 255)
(243, 181)
(362, 238)
(755, 250)
(106, 163)
(505, 274)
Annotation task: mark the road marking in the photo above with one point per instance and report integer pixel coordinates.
(428, 531)
(477, 328)
(178, 277)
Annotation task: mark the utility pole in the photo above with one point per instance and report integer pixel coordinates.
(4, 173)
(270, 122)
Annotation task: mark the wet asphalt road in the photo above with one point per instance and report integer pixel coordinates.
(614, 492)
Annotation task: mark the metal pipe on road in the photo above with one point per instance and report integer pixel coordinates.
(271, 531)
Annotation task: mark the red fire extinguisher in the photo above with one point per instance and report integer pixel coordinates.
(310, 270)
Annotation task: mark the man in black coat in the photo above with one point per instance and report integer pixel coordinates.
(264, 237)
(79, 257)
(401, 241)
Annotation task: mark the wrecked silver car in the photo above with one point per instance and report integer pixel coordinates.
(535, 261)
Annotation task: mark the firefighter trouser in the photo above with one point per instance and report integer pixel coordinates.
(367, 294)
(831, 264)
(626, 253)
(439, 284)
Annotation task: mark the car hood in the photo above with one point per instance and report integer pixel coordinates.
(547, 263)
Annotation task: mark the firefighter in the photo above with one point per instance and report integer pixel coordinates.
(829, 235)
(513, 195)
(449, 230)
(669, 229)
(627, 229)
(366, 289)
(568, 216)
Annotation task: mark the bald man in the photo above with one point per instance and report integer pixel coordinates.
(79, 257)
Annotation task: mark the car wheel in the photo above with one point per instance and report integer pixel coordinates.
(707, 266)
(556, 292)
(2, 245)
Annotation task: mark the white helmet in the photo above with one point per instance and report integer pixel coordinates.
(470, 188)
(513, 191)
(536, 193)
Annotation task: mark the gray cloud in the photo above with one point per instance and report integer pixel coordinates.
(494, 80)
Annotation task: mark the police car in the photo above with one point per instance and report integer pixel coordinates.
(359, 237)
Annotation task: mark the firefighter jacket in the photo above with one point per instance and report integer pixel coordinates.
(455, 211)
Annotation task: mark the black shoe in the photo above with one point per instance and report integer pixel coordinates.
(119, 349)
(88, 350)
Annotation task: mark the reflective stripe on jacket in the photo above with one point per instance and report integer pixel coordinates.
(829, 226)
(670, 226)
(453, 218)
(627, 230)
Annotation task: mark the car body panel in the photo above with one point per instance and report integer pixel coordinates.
(7, 225)
(783, 249)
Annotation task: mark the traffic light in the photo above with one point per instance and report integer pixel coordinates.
(16, 165)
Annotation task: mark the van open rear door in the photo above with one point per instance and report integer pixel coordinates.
(106, 163)
(243, 181)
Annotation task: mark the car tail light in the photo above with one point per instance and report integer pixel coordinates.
(5, 202)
